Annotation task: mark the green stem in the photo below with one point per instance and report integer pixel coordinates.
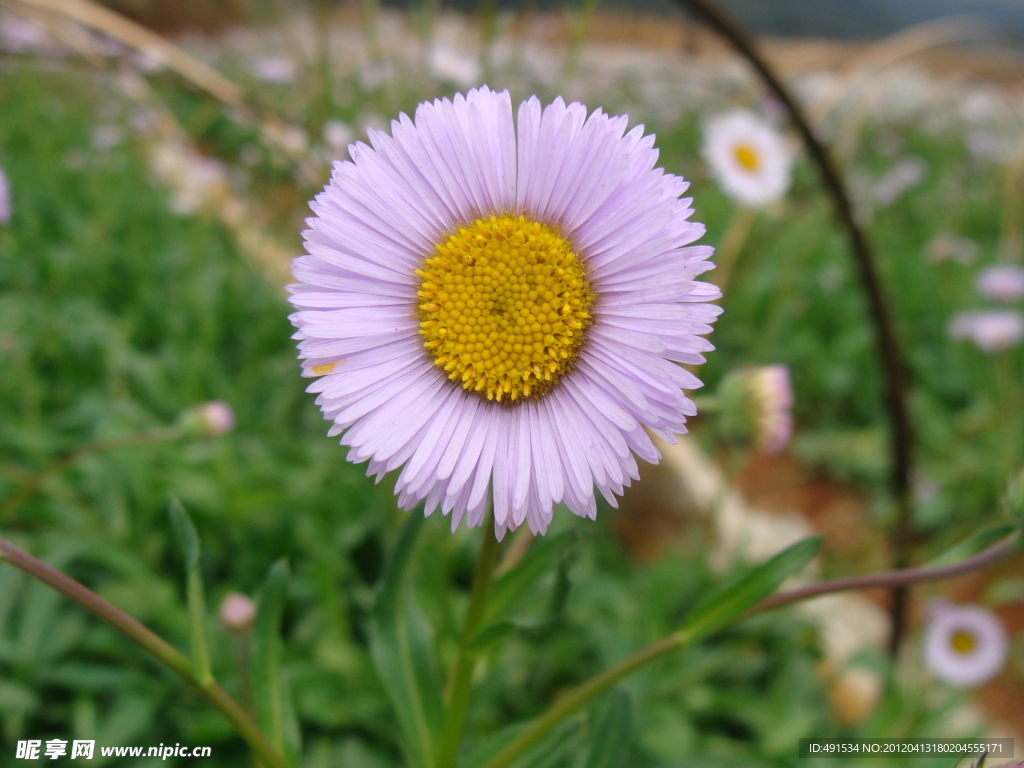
(577, 698)
(150, 642)
(36, 481)
(731, 244)
(461, 680)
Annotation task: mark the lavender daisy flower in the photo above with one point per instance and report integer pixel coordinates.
(965, 645)
(498, 307)
(1002, 282)
(5, 199)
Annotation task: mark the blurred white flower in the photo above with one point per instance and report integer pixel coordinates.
(1002, 282)
(5, 198)
(965, 645)
(748, 157)
(19, 35)
(985, 144)
(106, 136)
(452, 66)
(899, 179)
(337, 136)
(195, 181)
(275, 69)
(948, 247)
(992, 330)
(237, 612)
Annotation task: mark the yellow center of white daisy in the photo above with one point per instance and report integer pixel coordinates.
(962, 642)
(747, 157)
(504, 306)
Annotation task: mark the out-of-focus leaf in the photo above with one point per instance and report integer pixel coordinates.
(266, 654)
(189, 542)
(402, 651)
(566, 738)
(539, 560)
(612, 735)
(729, 603)
(981, 540)
(495, 633)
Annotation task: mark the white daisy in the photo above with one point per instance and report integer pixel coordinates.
(5, 198)
(1001, 282)
(992, 330)
(965, 645)
(499, 307)
(748, 157)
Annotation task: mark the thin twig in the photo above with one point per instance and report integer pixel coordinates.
(150, 642)
(898, 578)
(894, 367)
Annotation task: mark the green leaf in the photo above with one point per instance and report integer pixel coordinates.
(729, 603)
(501, 630)
(538, 562)
(266, 654)
(981, 540)
(188, 539)
(401, 647)
(185, 532)
(608, 749)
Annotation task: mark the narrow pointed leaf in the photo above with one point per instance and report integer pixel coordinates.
(266, 654)
(188, 540)
(538, 562)
(401, 646)
(612, 735)
(981, 540)
(731, 602)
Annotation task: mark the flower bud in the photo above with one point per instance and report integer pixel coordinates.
(211, 419)
(756, 405)
(237, 612)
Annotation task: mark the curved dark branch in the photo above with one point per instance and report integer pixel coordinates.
(894, 367)
(899, 578)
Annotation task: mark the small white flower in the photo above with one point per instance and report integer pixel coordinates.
(748, 157)
(450, 65)
(965, 645)
(337, 135)
(992, 330)
(1002, 282)
(949, 247)
(106, 136)
(5, 199)
(275, 69)
(899, 179)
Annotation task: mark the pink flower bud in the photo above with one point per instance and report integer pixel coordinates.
(237, 612)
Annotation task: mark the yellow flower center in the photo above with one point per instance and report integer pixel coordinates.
(747, 157)
(962, 641)
(504, 306)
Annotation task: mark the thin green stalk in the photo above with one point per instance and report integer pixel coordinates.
(731, 244)
(36, 481)
(578, 698)
(150, 642)
(489, 30)
(461, 680)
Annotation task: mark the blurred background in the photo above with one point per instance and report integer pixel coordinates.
(157, 166)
